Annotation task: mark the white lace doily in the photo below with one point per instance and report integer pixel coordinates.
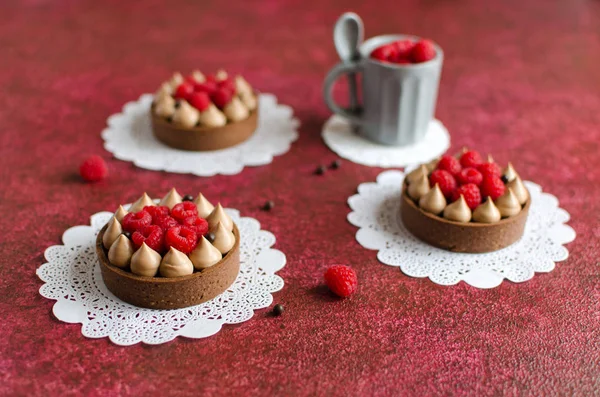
(375, 211)
(72, 278)
(338, 134)
(129, 137)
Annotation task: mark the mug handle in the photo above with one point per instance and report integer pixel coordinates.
(332, 76)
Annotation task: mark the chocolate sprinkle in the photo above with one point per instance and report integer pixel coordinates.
(504, 179)
(127, 234)
(188, 197)
(210, 237)
(278, 309)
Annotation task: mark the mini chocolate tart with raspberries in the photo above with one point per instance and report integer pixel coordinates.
(176, 254)
(465, 204)
(203, 113)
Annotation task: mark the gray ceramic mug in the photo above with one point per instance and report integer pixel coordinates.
(398, 101)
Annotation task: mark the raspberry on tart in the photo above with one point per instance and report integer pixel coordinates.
(480, 209)
(162, 263)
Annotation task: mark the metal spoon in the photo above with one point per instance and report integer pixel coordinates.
(348, 35)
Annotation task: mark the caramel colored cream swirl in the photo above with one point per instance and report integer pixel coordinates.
(112, 232)
(519, 189)
(198, 76)
(458, 211)
(224, 238)
(487, 212)
(120, 252)
(212, 117)
(171, 199)
(219, 215)
(419, 188)
(176, 264)
(145, 261)
(433, 201)
(235, 110)
(164, 106)
(205, 255)
(417, 173)
(509, 173)
(249, 100)
(203, 205)
(508, 204)
(142, 202)
(120, 213)
(186, 115)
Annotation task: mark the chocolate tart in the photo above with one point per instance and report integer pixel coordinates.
(471, 237)
(203, 138)
(170, 293)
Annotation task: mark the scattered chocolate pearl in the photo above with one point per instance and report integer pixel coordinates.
(504, 179)
(278, 309)
(268, 206)
(210, 237)
(335, 164)
(188, 197)
(320, 170)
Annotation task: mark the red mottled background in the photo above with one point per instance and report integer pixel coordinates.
(521, 79)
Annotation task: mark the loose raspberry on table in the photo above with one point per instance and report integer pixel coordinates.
(445, 180)
(152, 235)
(470, 158)
(341, 280)
(182, 238)
(221, 97)
(423, 51)
(450, 164)
(165, 223)
(469, 175)
(134, 221)
(493, 187)
(93, 169)
(197, 224)
(200, 100)
(184, 91)
(157, 211)
(470, 192)
(183, 210)
(490, 169)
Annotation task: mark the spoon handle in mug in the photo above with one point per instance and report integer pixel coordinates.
(351, 114)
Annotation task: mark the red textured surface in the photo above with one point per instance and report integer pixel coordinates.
(521, 79)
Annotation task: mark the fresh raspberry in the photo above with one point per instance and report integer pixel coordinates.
(197, 224)
(341, 280)
(182, 238)
(93, 169)
(221, 97)
(423, 51)
(384, 53)
(402, 62)
(165, 223)
(493, 187)
(136, 221)
(210, 78)
(184, 91)
(490, 169)
(470, 158)
(403, 49)
(469, 175)
(157, 211)
(470, 192)
(208, 86)
(445, 180)
(450, 164)
(152, 235)
(227, 85)
(183, 210)
(200, 100)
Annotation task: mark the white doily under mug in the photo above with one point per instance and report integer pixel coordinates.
(129, 137)
(339, 135)
(72, 278)
(375, 210)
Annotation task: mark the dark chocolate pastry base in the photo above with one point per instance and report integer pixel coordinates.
(203, 138)
(469, 237)
(170, 293)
